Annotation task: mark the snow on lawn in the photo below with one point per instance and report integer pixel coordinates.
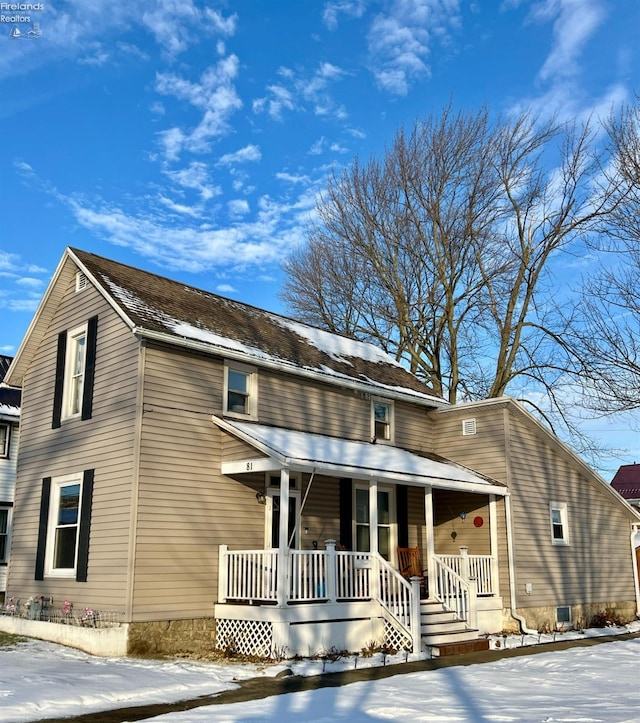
(599, 683)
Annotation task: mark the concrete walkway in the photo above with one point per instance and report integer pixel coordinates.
(256, 688)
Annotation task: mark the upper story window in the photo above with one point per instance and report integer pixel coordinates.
(5, 438)
(382, 422)
(75, 371)
(240, 390)
(559, 523)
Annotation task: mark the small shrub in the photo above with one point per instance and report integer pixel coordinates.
(607, 618)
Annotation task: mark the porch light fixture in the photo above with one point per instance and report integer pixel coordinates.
(261, 497)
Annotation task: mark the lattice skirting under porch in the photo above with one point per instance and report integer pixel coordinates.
(246, 637)
(394, 638)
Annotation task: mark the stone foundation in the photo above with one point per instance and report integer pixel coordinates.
(582, 615)
(172, 637)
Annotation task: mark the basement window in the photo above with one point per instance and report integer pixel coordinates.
(563, 616)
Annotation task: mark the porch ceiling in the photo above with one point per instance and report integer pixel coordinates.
(304, 452)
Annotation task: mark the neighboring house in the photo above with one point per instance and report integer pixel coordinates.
(626, 482)
(209, 473)
(9, 425)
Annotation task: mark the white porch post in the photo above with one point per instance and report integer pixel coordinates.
(373, 536)
(283, 539)
(431, 552)
(222, 573)
(493, 530)
(416, 632)
(331, 591)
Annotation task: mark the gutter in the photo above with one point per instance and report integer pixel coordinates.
(343, 381)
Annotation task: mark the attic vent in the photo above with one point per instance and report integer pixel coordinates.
(468, 426)
(81, 281)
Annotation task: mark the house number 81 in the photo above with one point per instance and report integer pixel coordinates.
(249, 466)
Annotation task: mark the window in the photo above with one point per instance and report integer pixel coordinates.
(63, 532)
(386, 527)
(5, 438)
(64, 518)
(240, 390)
(75, 367)
(563, 616)
(382, 420)
(75, 371)
(559, 526)
(4, 534)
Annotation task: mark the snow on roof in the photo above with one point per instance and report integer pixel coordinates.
(359, 459)
(155, 304)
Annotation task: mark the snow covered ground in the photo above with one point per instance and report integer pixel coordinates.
(41, 680)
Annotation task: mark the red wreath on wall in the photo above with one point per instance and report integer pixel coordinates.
(478, 521)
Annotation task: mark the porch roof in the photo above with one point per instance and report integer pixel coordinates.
(305, 452)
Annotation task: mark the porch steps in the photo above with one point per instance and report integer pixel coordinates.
(446, 635)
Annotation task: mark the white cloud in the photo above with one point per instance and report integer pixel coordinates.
(30, 282)
(214, 94)
(73, 29)
(238, 207)
(291, 178)
(351, 8)
(248, 154)
(196, 177)
(225, 289)
(400, 40)
(574, 23)
(304, 92)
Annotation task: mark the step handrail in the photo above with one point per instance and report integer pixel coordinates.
(455, 593)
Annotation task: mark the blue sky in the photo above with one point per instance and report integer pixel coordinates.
(191, 138)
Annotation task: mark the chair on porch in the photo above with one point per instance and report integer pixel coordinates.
(410, 565)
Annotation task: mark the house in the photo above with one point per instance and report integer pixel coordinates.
(626, 482)
(9, 425)
(197, 472)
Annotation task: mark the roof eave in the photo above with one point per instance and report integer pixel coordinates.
(268, 363)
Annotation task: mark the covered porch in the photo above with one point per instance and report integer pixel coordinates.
(302, 593)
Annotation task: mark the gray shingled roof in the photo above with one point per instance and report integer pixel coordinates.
(159, 305)
(9, 398)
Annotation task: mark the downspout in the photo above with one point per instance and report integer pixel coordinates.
(512, 576)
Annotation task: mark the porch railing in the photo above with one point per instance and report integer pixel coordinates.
(480, 568)
(318, 575)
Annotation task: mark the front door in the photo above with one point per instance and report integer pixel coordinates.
(386, 531)
(272, 531)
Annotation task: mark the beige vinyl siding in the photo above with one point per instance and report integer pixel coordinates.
(321, 513)
(451, 531)
(596, 564)
(296, 403)
(186, 508)
(103, 443)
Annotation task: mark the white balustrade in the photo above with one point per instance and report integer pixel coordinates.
(480, 568)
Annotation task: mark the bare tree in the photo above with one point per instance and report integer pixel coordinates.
(606, 333)
(441, 251)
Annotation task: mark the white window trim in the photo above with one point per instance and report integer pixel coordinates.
(56, 484)
(564, 623)
(252, 372)
(392, 421)
(393, 521)
(564, 521)
(4, 453)
(68, 372)
(7, 549)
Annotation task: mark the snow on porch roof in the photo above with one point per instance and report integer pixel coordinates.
(303, 451)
